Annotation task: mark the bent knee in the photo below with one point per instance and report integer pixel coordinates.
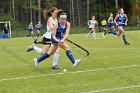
(57, 51)
(67, 48)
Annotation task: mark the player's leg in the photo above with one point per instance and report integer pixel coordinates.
(94, 33)
(45, 49)
(51, 51)
(28, 35)
(55, 59)
(38, 32)
(113, 31)
(88, 34)
(69, 54)
(106, 31)
(46, 46)
(123, 35)
(32, 34)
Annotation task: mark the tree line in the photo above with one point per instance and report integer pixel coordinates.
(21, 12)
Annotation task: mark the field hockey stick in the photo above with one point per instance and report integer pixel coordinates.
(78, 46)
(38, 42)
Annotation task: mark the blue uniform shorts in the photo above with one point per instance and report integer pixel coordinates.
(38, 29)
(30, 30)
(121, 25)
(110, 25)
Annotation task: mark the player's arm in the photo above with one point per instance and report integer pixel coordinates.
(96, 22)
(50, 24)
(36, 26)
(67, 32)
(88, 22)
(29, 26)
(126, 19)
(115, 20)
(55, 26)
(40, 25)
(108, 21)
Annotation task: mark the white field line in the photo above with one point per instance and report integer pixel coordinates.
(92, 70)
(113, 89)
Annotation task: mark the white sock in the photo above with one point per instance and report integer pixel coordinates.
(55, 59)
(88, 34)
(37, 49)
(94, 35)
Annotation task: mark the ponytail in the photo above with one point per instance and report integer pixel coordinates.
(47, 13)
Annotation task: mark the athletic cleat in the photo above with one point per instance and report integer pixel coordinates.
(76, 63)
(115, 36)
(127, 43)
(30, 48)
(36, 64)
(56, 67)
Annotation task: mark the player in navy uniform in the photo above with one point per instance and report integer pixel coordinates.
(121, 20)
(59, 34)
(30, 30)
(38, 28)
(110, 26)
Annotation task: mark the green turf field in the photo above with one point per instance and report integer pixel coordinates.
(111, 67)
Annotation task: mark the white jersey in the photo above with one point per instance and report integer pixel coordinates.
(49, 32)
(92, 24)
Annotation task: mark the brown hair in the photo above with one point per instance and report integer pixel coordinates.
(47, 13)
(92, 17)
(59, 12)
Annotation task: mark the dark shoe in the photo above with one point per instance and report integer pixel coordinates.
(127, 43)
(30, 48)
(56, 67)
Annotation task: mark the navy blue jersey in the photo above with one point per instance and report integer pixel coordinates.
(60, 31)
(110, 25)
(111, 20)
(38, 26)
(121, 19)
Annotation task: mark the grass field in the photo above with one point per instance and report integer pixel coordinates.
(111, 67)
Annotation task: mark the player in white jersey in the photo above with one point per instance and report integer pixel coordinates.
(92, 23)
(52, 14)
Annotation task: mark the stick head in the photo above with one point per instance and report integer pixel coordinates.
(88, 54)
(35, 42)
